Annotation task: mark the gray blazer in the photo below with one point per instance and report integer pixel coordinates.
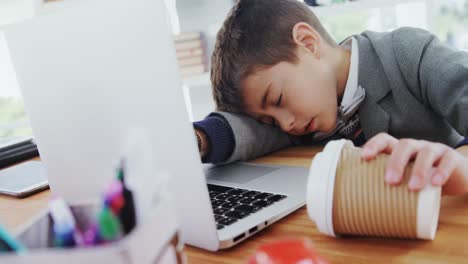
(416, 87)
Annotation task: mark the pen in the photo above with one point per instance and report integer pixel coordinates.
(64, 225)
(127, 215)
(8, 243)
(109, 228)
(114, 197)
(91, 236)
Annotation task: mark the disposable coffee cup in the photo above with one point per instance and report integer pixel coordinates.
(348, 196)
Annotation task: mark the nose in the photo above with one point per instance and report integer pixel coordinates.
(286, 121)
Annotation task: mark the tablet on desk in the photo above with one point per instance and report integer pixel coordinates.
(23, 179)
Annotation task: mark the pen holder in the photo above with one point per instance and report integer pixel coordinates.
(155, 240)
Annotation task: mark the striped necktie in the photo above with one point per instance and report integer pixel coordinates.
(347, 119)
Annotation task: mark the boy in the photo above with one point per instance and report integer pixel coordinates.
(279, 79)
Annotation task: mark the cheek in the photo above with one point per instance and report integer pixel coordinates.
(321, 97)
(323, 75)
(311, 91)
(305, 100)
(320, 89)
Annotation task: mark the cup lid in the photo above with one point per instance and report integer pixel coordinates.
(321, 184)
(428, 211)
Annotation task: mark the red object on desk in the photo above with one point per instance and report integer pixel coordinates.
(289, 251)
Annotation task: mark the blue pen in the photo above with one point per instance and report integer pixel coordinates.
(8, 243)
(64, 226)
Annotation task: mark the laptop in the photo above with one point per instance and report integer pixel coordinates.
(93, 71)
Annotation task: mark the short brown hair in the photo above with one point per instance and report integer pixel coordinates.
(256, 33)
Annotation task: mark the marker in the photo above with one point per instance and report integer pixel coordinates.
(91, 236)
(114, 197)
(64, 225)
(121, 171)
(127, 215)
(8, 243)
(109, 228)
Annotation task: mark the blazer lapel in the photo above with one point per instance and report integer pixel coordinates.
(373, 118)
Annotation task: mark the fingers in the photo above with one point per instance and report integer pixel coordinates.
(424, 163)
(381, 143)
(404, 150)
(447, 166)
(452, 173)
(433, 162)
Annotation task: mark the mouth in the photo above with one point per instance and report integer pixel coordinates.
(310, 127)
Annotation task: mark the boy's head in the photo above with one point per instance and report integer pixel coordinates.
(274, 61)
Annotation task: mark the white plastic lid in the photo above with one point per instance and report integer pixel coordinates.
(428, 211)
(321, 184)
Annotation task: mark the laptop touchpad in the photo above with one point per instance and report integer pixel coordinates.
(238, 173)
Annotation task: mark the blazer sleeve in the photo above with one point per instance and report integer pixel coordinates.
(252, 138)
(441, 74)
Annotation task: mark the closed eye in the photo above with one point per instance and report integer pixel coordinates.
(268, 121)
(273, 122)
(278, 103)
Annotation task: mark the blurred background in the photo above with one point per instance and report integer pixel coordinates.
(196, 22)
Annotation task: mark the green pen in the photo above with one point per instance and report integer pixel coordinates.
(8, 243)
(120, 174)
(109, 228)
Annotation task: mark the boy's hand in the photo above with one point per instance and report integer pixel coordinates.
(203, 143)
(433, 162)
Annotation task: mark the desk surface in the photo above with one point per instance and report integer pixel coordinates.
(448, 247)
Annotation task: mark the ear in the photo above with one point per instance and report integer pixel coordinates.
(305, 36)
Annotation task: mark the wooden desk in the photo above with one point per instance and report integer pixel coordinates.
(450, 245)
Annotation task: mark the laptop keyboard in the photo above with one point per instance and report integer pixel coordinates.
(231, 204)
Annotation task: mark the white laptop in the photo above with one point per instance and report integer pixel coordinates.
(93, 71)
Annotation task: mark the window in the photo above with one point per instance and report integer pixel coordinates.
(345, 19)
(451, 23)
(446, 19)
(13, 119)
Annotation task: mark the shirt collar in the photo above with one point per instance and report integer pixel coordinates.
(352, 84)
